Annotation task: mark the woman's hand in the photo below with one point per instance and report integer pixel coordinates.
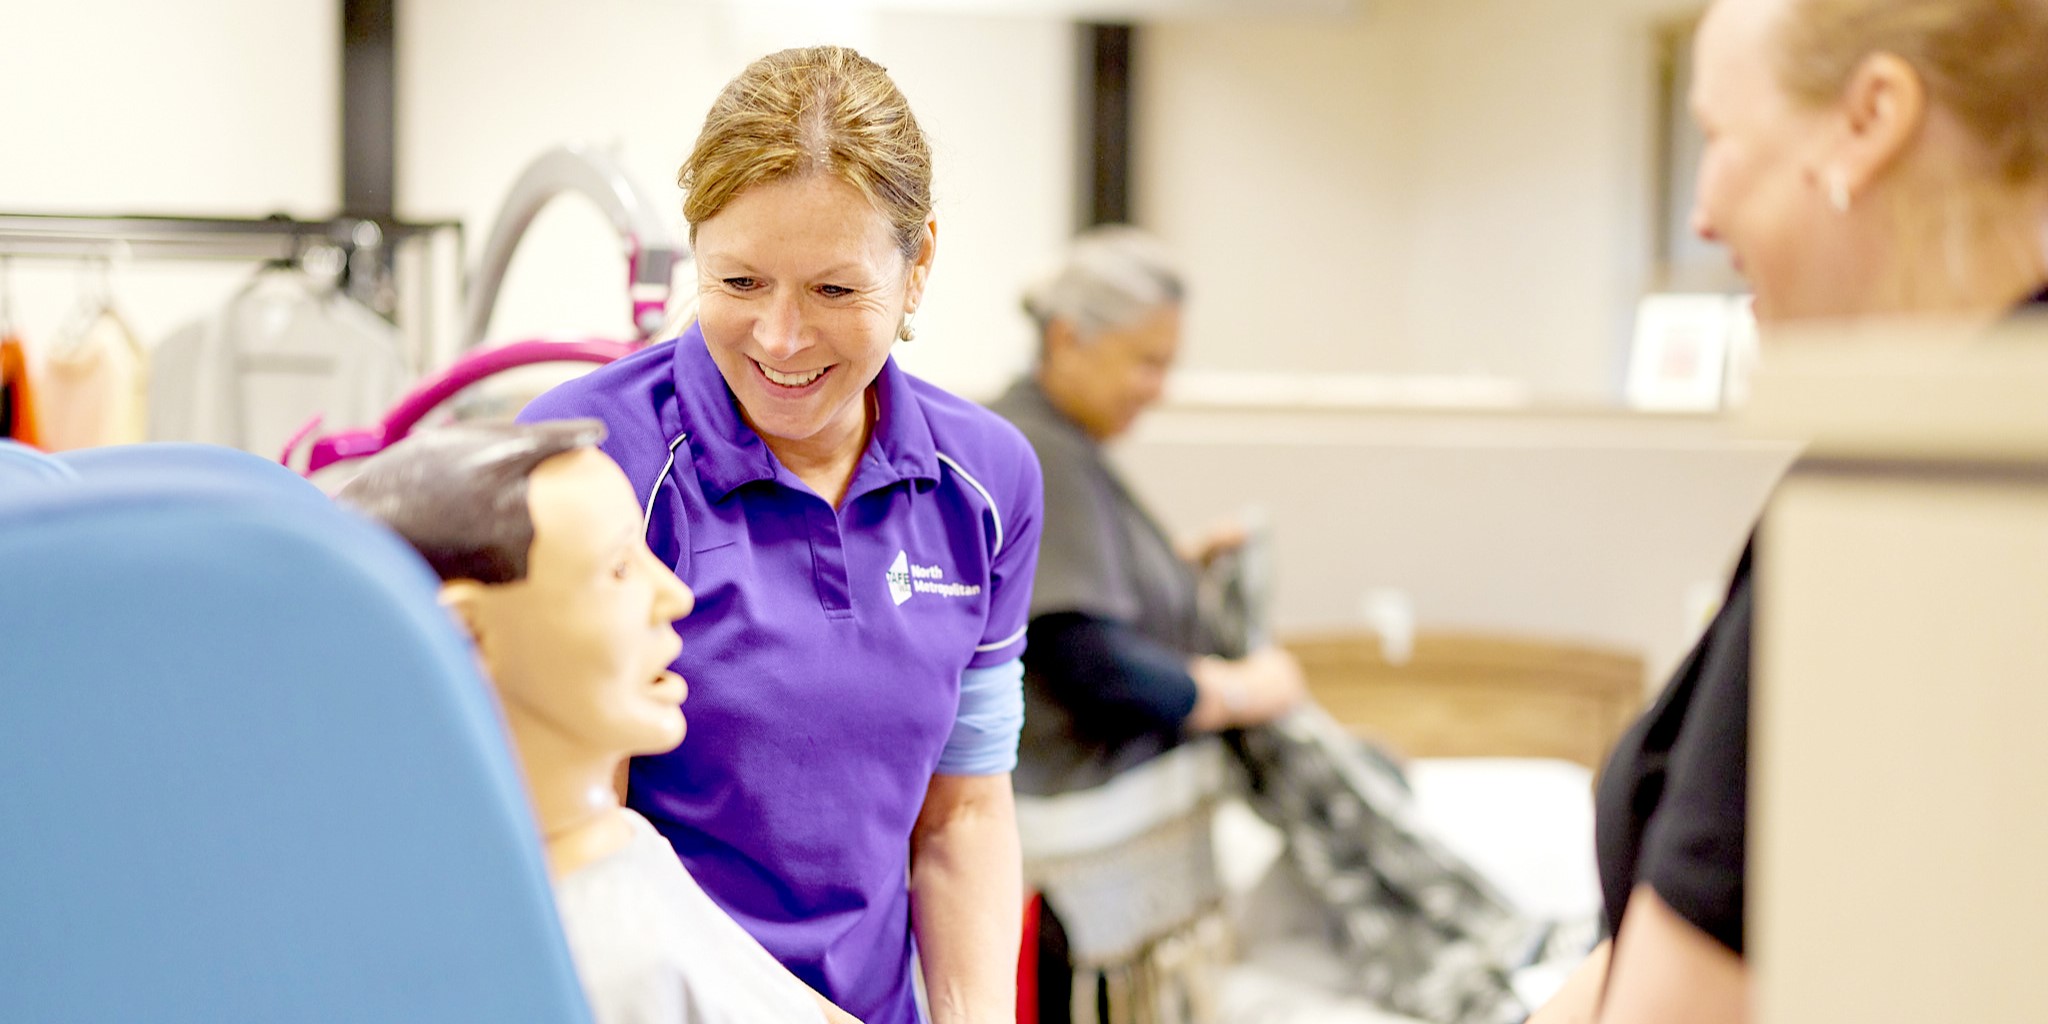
(1251, 690)
(1220, 538)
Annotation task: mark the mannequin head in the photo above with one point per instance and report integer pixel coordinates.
(537, 539)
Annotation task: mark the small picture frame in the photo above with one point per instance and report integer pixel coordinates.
(1679, 361)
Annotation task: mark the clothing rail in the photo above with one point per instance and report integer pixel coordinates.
(364, 262)
(66, 236)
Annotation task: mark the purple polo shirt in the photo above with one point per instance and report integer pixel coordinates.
(825, 653)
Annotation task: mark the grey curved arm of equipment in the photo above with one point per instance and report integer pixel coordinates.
(651, 249)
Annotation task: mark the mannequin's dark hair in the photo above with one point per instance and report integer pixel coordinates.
(458, 494)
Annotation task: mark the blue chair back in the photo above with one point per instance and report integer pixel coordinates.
(249, 773)
(180, 461)
(22, 466)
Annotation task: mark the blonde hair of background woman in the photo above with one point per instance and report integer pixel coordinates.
(1984, 62)
(814, 110)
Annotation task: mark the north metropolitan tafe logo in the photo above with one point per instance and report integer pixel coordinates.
(906, 580)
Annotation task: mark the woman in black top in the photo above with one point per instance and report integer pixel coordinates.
(1864, 158)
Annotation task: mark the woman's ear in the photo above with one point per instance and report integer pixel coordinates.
(921, 267)
(1883, 108)
(1060, 339)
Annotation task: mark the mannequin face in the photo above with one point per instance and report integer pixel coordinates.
(580, 648)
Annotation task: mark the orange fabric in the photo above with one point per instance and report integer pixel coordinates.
(21, 420)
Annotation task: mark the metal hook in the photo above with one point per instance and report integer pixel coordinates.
(6, 295)
(119, 256)
(103, 282)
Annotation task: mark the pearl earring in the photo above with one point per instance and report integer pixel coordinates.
(907, 332)
(1838, 193)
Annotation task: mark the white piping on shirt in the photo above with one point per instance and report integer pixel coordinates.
(647, 519)
(997, 513)
(1004, 642)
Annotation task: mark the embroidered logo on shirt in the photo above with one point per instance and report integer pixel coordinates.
(906, 579)
(899, 577)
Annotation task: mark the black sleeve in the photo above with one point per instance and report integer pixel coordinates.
(1109, 678)
(1693, 845)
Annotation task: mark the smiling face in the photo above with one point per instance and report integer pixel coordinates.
(1762, 190)
(802, 288)
(581, 647)
(1764, 183)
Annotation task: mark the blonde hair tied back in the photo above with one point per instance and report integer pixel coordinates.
(1984, 61)
(813, 110)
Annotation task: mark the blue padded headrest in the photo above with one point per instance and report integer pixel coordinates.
(249, 773)
(21, 466)
(175, 461)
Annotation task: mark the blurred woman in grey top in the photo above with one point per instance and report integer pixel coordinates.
(1119, 667)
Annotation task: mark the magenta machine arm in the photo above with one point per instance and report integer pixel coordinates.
(652, 253)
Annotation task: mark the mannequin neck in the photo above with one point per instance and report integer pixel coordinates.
(571, 787)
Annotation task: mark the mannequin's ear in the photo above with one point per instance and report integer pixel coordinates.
(464, 600)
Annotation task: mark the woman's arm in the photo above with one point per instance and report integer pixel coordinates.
(1115, 682)
(967, 898)
(1578, 1002)
(1666, 971)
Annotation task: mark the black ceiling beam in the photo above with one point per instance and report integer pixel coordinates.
(1104, 146)
(369, 108)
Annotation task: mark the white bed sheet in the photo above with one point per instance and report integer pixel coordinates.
(1526, 824)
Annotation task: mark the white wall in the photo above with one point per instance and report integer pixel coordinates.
(1427, 187)
(1604, 527)
(203, 107)
(487, 85)
(231, 107)
(1431, 187)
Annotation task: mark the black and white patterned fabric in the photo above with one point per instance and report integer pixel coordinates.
(1424, 934)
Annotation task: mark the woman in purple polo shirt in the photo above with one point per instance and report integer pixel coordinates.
(862, 547)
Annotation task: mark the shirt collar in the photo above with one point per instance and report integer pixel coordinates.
(728, 453)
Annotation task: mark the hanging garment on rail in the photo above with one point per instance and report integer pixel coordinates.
(283, 350)
(18, 419)
(94, 389)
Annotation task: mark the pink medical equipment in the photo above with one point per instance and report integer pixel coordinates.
(651, 257)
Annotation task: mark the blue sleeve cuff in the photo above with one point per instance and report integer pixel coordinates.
(991, 717)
